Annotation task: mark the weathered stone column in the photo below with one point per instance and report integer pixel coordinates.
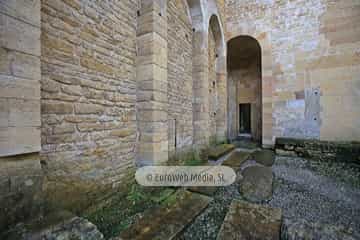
(19, 77)
(221, 115)
(268, 139)
(20, 170)
(152, 99)
(200, 90)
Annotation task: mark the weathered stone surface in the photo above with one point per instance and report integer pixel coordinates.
(220, 150)
(27, 11)
(245, 144)
(307, 61)
(56, 108)
(180, 89)
(257, 183)
(20, 189)
(57, 225)
(236, 159)
(97, 110)
(19, 140)
(209, 191)
(319, 150)
(168, 220)
(250, 221)
(264, 157)
(88, 107)
(302, 230)
(18, 35)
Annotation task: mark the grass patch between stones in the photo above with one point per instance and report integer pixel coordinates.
(121, 210)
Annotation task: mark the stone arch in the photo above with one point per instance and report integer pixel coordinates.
(214, 25)
(199, 70)
(186, 5)
(201, 14)
(266, 81)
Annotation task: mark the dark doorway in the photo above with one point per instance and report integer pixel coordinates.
(244, 88)
(245, 118)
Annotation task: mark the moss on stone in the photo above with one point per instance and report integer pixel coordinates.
(122, 209)
(220, 150)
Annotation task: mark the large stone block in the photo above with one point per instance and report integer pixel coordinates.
(88, 109)
(56, 108)
(26, 10)
(18, 140)
(23, 112)
(250, 221)
(20, 36)
(14, 87)
(19, 64)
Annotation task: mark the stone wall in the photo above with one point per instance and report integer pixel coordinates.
(180, 85)
(347, 152)
(88, 98)
(315, 63)
(20, 170)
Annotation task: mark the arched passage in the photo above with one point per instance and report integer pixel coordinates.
(245, 88)
(266, 82)
(205, 21)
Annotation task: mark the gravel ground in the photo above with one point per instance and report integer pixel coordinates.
(301, 190)
(208, 223)
(303, 193)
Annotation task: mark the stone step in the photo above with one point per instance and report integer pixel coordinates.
(166, 221)
(241, 143)
(264, 157)
(250, 221)
(236, 159)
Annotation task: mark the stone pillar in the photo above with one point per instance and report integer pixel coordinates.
(19, 77)
(221, 115)
(152, 98)
(20, 170)
(268, 139)
(200, 90)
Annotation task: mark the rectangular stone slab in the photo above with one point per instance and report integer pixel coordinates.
(209, 191)
(166, 221)
(250, 221)
(236, 159)
(220, 150)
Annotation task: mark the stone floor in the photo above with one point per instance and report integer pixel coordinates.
(304, 191)
(301, 199)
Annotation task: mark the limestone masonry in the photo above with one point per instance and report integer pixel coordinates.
(90, 90)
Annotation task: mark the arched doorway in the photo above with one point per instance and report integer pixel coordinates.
(245, 88)
(206, 22)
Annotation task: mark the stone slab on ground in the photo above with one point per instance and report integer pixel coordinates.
(250, 221)
(236, 159)
(303, 230)
(208, 191)
(219, 151)
(257, 183)
(264, 157)
(166, 221)
(57, 225)
(245, 144)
